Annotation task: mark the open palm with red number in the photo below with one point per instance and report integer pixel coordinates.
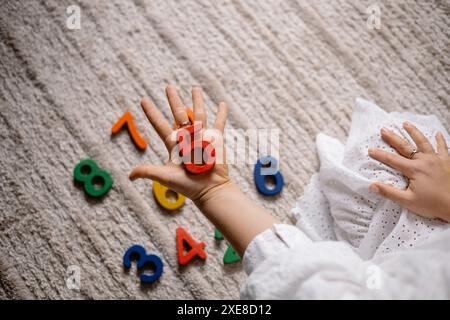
(428, 171)
(172, 174)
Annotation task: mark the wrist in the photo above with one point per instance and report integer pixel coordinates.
(445, 212)
(215, 194)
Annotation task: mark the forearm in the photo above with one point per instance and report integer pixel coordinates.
(235, 215)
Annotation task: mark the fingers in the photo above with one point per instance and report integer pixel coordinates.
(199, 106)
(221, 117)
(402, 146)
(403, 197)
(157, 120)
(442, 148)
(161, 174)
(178, 109)
(421, 141)
(392, 160)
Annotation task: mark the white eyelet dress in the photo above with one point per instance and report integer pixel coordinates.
(350, 243)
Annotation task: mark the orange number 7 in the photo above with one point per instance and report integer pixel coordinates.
(127, 119)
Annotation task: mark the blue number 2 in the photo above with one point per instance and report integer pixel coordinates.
(143, 260)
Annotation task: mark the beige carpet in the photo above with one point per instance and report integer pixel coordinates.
(293, 65)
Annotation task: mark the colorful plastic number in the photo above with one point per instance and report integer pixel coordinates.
(273, 166)
(160, 193)
(231, 256)
(218, 235)
(88, 173)
(190, 114)
(127, 120)
(196, 249)
(260, 180)
(143, 259)
(188, 145)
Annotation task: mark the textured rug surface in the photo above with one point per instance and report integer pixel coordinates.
(293, 65)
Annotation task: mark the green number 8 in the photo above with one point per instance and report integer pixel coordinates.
(96, 182)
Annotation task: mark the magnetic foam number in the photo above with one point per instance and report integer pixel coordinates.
(218, 235)
(187, 144)
(143, 259)
(160, 193)
(231, 256)
(196, 248)
(260, 179)
(127, 121)
(89, 174)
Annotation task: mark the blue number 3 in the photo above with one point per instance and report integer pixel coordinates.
(143, 260)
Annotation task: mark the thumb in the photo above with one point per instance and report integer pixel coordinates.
(159, 173)
(400, 196)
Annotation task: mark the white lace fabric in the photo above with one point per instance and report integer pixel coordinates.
(343, 229)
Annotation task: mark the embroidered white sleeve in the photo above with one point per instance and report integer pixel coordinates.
(284, 264)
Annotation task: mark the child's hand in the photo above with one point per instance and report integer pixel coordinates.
(428, 192)
(228, 208)
(172, 175)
